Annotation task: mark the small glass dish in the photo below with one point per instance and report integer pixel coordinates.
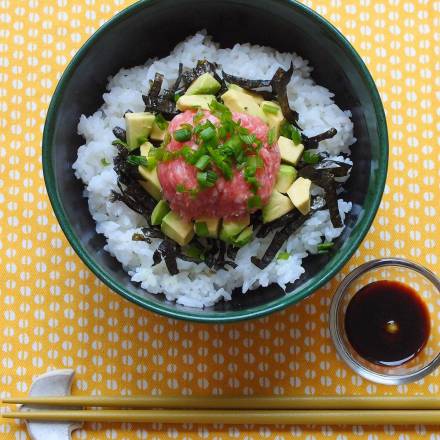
(426, 284)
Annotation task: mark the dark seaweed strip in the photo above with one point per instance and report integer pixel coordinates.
(340, 170)
(128, 111)
(313, 141)
(160, 104)
(231, 252)
(278, 241)
(203, 66)
(156, 86)
(168, 251)
(279, 86)
(331, 198)
(246, 83)
(157, 258)
(152, 233)
(131, 192)
(120, 133)
(326, 180)
(222, 251)
(278, 223)
(176, 84)
(140, 237)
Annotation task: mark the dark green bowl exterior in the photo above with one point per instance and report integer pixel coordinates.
(152, 28)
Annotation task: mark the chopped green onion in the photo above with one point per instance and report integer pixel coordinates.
(207, 134)
(117, 142)
(177, 96)
(141, 140)
(219, 110)
(325, 247)
(283, 256)
(220, 161)
(248, 139)
(198, 117)
(161, 122)
(207, 178)
(296, 136)
(201, 229)
(180, 188)
(137, 160)
(254, 202)
(203, 162)
(105, 162)
(311, 158)
(271, 136)
(182, 135)
(187, 154)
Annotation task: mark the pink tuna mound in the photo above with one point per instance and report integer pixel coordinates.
(230, 197)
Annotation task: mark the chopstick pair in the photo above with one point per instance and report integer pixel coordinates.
(239, 410)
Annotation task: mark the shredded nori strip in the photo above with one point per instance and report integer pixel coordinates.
(131, 192)
(279, 86)
(120, 133)
(231, 252)
(313, 141)
(278, 223)
(278, 241)
(280, 237)
(140, 237)
(168, 250)
(325, 178)
(246, 83)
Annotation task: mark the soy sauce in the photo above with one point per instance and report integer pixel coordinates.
(387, 323)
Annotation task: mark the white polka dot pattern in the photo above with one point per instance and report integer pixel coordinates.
(56, 314)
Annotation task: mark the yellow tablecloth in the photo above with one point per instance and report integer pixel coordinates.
(56, 314)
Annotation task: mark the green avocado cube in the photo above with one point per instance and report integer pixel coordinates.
(244, 237)
(286, 175)
(150, 180)
(178, 229)
(193, 102)
(138, 127)
(277, 206)
(205, 84)
(231, 228)
(299, 193)
(159, 212)
(274, 115)
(290, 152)
(242, 102)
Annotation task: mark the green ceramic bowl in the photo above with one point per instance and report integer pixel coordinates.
(151, 29)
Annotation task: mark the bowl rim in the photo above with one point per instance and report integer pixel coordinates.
(333, 267)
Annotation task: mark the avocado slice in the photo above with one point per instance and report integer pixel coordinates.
(244, 237)
(138, 125)
(159, 212)
(151, 182)
(192, 102)
(205, 84)
(178, 229)
(238, 101)
(274, 115)
(299, 193)
(231, 228)
(290, 152)
(157, 134)
(256, 96)
(207, 227)
(286, 175)
(277, 206)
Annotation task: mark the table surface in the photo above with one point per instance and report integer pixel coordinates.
(56, 314)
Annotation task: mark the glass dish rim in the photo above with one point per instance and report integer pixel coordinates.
(386, 379)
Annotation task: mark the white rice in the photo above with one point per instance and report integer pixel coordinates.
(196, 285)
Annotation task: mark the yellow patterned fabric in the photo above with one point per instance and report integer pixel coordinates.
(56, 314)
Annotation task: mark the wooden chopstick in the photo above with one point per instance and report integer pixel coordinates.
(250, 403)
(265, 417)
